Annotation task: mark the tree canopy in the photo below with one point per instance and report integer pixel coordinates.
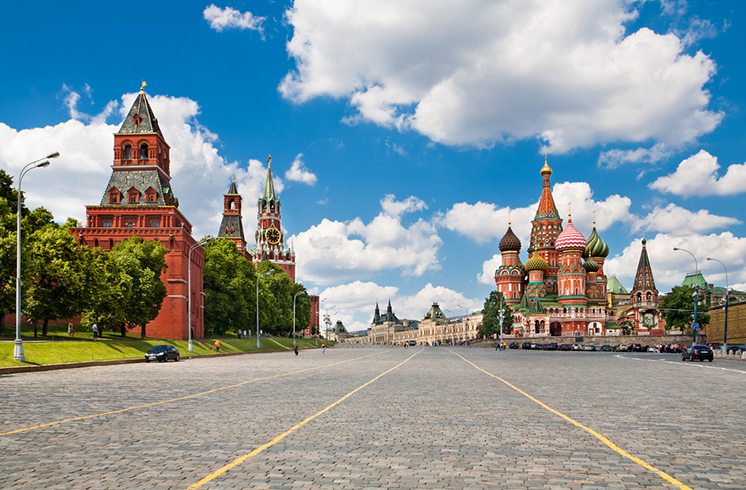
(491, 315)
(677, 308)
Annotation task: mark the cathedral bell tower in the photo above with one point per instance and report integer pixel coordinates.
(270, 240)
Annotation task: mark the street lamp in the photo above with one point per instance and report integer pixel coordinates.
(265, 273)
(295, 296)
(727, 300)
(500, 317)
(41, 163)
(189, 288)
(695, 326)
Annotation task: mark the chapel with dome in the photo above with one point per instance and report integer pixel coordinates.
(561, 289)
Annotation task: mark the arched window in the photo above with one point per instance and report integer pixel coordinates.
(133, 196)
(639, 297)
(144, 151)
(648, 297)
(127, 152)
(231, 204)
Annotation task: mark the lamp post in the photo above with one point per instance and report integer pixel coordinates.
(41, 163)
(295, 296)
(696, 294)
(189, 288)
(501, 317)
(265, 273)
(727, 300)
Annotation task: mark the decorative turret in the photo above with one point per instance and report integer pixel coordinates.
(570, 239)
(231, 227)
(536, 263)
(596, 247)
(571, 278)
(644, 295)
(377, 315)
(590, 265)
(509, 276)
(545, 228)
(536, 267)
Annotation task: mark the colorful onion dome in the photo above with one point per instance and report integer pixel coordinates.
(570, 239)
(596, 247)
(536, 263)
(510, 242)
(590, 265)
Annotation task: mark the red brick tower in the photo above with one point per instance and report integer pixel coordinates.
(270, 240)
(231, 227)
(644, 297)
(545, 228)
(139, 200)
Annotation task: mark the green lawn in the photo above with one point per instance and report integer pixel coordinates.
(79, 350)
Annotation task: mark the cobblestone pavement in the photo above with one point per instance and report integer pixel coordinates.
(434, 422)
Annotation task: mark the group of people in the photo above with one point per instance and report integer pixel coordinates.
(501, 345)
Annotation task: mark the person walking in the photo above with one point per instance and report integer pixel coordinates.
(217, 346)
(94, 329)
(323, 348)
(70, 329)
(295, 349)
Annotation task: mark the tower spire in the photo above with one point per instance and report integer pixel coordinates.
(644, 276)
(269, 185)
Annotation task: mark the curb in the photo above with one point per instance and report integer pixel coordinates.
(114, 362)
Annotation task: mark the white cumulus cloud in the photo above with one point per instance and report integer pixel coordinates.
(676, 220)
(333, 250)
(230, 18)
(299, 173)
(698, 175)
(477, 72)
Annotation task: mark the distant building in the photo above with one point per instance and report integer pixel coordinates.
(736, 323)
(644, 307)
(711, 295)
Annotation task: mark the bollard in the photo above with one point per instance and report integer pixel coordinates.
(743, 355)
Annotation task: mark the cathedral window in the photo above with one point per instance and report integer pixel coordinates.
(648, 297)
(115, 197)
(639, 297)
(130, 222)
(144, 151)
(127, 152)
(133, 196)
(106, 222)
(154, 223)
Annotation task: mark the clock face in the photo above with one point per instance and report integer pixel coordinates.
(272, 235)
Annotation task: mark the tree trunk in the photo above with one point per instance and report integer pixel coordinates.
(36, 330)
(142, 332)
(123, 330)
(45, 328)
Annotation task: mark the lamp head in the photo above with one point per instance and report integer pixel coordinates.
(676, 249)
(709, 258)
(43, 163)
(53, 155)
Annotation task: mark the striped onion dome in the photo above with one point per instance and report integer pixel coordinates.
(570, 239)
(536, 263)
(510, 242)
(590, 265)
(596, 247)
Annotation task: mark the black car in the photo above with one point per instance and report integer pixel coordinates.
(635, 348)
(607, 348)
(565, 347)
(526, 345)
(513, 345)
(699, 352)
(551, 346)
(162, 353)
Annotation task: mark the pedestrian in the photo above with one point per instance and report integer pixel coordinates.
(217, 346)
(295, 349)
(94, 329)
(70, 329)
(323, 348)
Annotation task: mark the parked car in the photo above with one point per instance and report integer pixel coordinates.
(622, 348)
(565, 347)
(635, 348)
(526, 345)
(699, 352)
(536, 346)
(577, 346)
(589, 348)
(551, 346)
(513, 345)
(162, 353)
(652, 349)
(607, 348)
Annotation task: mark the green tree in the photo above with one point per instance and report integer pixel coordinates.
(56, 276)
(677, 308)
(491, 315)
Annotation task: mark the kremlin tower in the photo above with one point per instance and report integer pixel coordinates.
(644, 297)
(139, 200)
(231, 227)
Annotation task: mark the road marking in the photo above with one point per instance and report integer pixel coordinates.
(292, 429)
(283, 346)
(177, 399)
(681, 363)
(592, 432)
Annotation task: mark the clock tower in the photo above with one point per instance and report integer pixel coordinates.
(270, 240)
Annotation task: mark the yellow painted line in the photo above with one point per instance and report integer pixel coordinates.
(177, 399)
(673, 481)
(294, 428)
(276, 342)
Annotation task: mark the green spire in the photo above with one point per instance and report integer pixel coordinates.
(269, 185)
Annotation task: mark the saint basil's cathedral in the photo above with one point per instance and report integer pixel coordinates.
(561, 290)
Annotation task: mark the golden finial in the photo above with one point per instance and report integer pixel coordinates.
(234, 178)
(269, 160)
(142, 86)
(546, 169)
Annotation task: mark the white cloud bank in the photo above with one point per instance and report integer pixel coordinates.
(230, 18)
(698, 175)
(333, 250)
(477, 72)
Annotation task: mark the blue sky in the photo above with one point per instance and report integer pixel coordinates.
(411, 127)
